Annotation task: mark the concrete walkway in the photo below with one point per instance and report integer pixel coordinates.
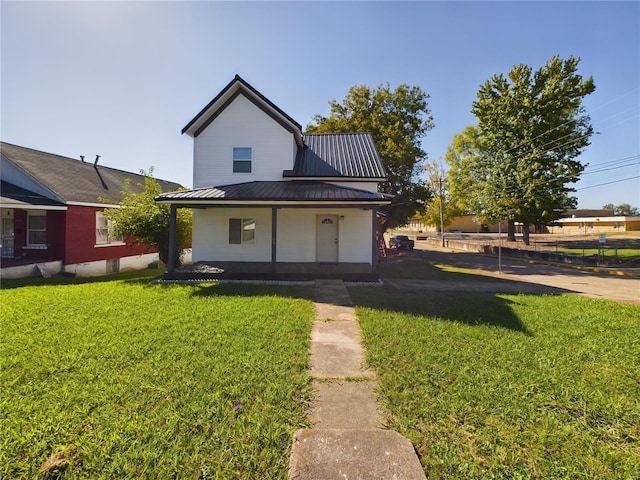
(347, 439)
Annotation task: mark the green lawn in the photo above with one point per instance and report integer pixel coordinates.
(118, 378)
(508, 386)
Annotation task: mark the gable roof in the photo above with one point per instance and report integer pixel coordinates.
(239, 86)
(73, 181)
(12, 196)
(342, 155)
(273, 192)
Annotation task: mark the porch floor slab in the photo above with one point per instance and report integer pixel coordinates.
(355, 272)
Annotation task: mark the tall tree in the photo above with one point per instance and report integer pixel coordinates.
(468, 165)
(471, 167)
(397, 120)
(146, 222)
(533, 126)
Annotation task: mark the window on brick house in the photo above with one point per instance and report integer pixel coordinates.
(36, 228)
(103, 230)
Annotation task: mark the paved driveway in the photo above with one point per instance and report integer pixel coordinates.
(550, 278)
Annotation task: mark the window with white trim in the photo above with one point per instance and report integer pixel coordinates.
(241, 159)
(37, 228)
(242, 231)
(104, 228)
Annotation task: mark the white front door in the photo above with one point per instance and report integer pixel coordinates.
(327, 238)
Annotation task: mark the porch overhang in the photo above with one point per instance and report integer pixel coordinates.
(276, 196)
(306, 193)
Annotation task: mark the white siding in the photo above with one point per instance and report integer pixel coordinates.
(242, 124)
(211, 235)
(296, 235)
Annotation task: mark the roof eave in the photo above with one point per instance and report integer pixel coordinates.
(227, 94)
(291, 176)
(194, 202)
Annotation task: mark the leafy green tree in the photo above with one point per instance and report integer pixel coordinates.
(397, 121)
(468, 166)
(624, 209)
(146, 222)
(532, 126)
(440, 203)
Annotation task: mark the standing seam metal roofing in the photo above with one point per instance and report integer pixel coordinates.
(277, 191)
(351, 155)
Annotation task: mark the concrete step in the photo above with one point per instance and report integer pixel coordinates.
(353, 455)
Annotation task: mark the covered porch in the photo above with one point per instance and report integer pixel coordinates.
(285, 231)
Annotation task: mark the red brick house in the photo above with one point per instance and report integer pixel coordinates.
(52, 215)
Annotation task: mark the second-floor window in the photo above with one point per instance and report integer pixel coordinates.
(241, 159)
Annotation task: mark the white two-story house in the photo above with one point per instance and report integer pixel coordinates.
(271, 201)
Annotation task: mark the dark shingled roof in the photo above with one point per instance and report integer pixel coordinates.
(73, 180)
(297, 190)
(345, 155)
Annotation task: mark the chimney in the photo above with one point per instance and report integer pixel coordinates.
(96, 162)
(82, 158)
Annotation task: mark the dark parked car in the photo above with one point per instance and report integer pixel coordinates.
(401, 242)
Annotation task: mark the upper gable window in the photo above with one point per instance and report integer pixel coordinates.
(241, 159)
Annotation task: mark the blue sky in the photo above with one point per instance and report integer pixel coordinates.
(121, 79)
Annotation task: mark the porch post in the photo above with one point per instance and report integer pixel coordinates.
(374, 235)
(172, 240)
(274, 237)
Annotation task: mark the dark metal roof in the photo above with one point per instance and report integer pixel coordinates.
(287, 191)
(345, 155)
(73, 180)
(11, 194)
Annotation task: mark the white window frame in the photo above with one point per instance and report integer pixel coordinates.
(242, 156)
(247, 233)
(104, 226)
(32, 214)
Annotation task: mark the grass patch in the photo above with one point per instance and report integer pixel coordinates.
(121, 379)
(508, 386)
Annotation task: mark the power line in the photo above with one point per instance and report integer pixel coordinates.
(610, 168)
(608, 183)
